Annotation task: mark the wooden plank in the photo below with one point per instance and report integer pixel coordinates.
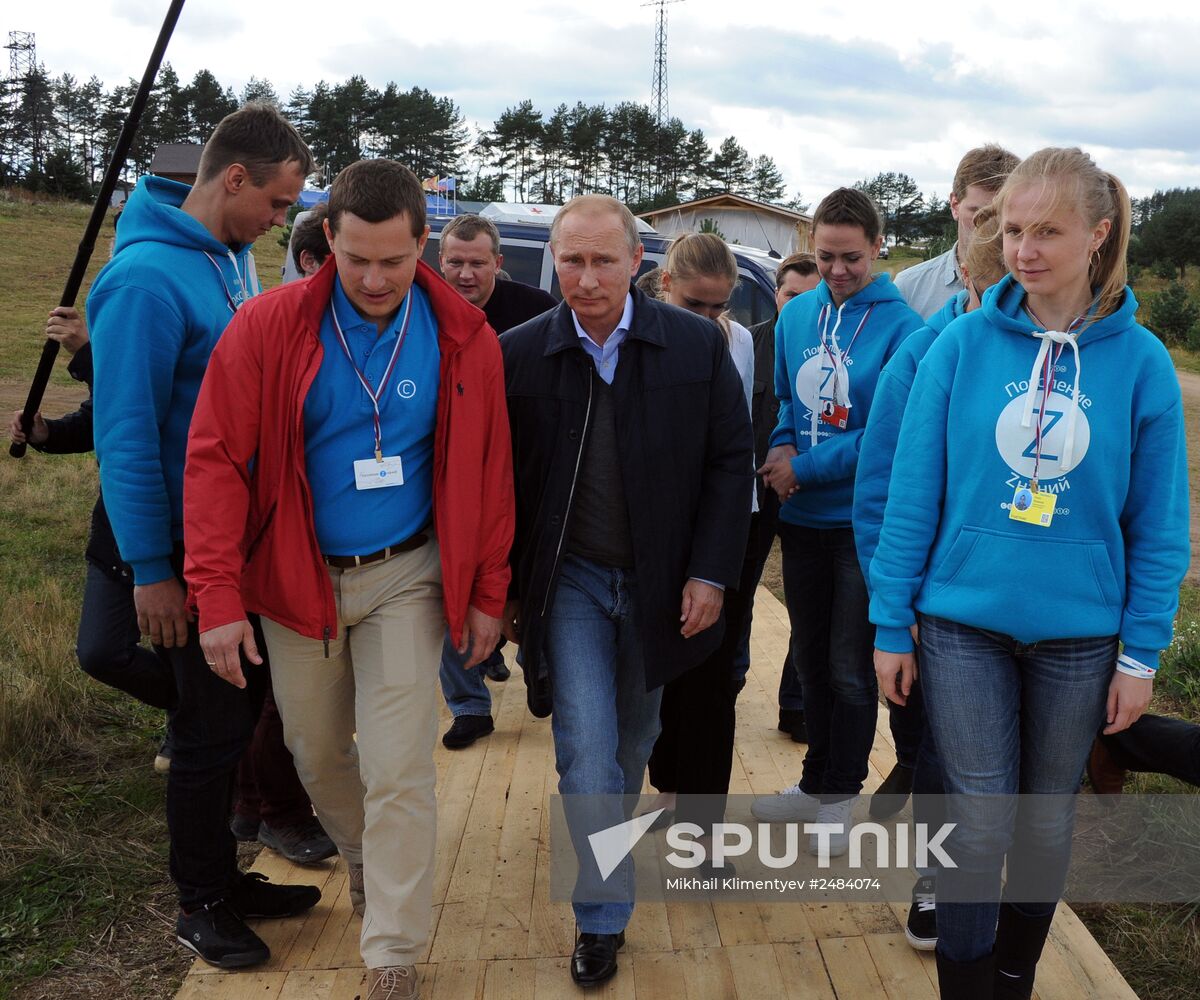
(552, 981)
(830, 920)
(906, 974)
(510, 899)
(1086, 959)
(705, 975)
(304, 984)
(693, 926)
(786, 922)
(657, 974)
(458, 981)
(649, 929)
(740, 923)
(803, 971)
(551, 924)
(850, 968)
(508, 980)
(756, 971)
(1055, 980)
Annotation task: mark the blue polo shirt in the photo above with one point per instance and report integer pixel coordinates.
(339, 427)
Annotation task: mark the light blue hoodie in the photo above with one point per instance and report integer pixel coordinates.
(155, 313)
(1113, 557)
(883, 428)
(812, 338)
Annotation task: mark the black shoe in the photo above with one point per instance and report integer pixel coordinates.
(305, 844)
(219, 935)
(788, 717)
(466, 729)
(594, 959)
(244, 828)
(889, 798)
(496, 669)
(253, 896)
(799, 728)
(921, 929)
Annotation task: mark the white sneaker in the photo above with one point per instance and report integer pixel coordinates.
(790, 805)
(837, 813)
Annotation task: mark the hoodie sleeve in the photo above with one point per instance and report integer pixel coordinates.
(1154, 523)
(137, 339)
(222, 441)
(912, 513)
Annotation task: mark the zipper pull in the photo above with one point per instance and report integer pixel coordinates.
(327, 630)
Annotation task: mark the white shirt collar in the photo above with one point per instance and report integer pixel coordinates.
(625, 324)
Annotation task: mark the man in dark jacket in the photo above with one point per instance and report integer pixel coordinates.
(632, 462)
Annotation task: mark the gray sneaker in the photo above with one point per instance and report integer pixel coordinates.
(304, 844)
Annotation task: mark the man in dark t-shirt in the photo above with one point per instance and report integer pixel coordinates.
(470, 259)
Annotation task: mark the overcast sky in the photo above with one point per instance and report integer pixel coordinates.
(834, 92)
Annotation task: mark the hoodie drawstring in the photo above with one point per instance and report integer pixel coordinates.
(828, 337)
(1048, 337)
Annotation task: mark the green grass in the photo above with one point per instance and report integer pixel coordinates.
(84, 892)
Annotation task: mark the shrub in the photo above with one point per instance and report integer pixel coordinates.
(1134, 272)
(1164, 269)
(1172, 314)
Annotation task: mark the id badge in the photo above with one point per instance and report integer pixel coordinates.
(1032, 508)
(372, 475)
(835, 414)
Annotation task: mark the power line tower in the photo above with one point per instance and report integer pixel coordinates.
(658, 85)
(22, 60)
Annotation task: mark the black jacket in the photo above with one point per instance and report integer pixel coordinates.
(764, 408)
(684, 441)
(71, 434)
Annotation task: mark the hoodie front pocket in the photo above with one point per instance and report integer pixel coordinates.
(1013, 579)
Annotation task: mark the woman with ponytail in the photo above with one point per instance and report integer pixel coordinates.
(1034, 540)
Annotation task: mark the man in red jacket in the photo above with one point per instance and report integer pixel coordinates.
(349, 478)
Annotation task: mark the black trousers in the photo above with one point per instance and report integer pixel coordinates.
(693, 755)
(1157, 744)
(108, 643)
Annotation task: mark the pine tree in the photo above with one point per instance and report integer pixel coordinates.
(766, 182)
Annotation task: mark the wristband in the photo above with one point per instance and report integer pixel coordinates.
(1134, 668)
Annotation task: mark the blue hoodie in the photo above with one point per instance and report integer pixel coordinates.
(1112, 558)
(155, 312)
(883, 428)
(818, 356)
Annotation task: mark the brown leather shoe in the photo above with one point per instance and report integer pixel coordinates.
(1105, 775)
(396, 982)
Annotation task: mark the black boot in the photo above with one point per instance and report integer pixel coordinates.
(965, 980)
(1019, 941)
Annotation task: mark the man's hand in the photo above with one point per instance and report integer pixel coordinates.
(221, 646)
(481, 634)
(39, 433)
(162, 612)
(777, 471)
(896, 673)
(701, 607)
(510, 623)
(1128, 698)
(67, 327)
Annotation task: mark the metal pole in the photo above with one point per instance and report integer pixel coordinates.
(86, 245)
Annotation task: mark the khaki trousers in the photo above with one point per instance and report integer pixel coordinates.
(380, 680)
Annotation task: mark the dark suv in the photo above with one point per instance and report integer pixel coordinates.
(526, 249)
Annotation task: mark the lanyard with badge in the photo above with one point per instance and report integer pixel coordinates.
(836, 409)
(1030, 504)
(243, 292)
(382, 470)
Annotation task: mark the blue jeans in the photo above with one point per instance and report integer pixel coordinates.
(605, 723)
(466, 692)
(832, 650)
(1008, 717)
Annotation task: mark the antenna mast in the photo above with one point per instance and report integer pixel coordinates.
(22, 60)
(658, 85)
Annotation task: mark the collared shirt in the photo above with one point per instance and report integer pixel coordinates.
(605, 357)
(930, 285)
(339, 427)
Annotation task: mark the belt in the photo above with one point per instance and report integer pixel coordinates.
(350, 562)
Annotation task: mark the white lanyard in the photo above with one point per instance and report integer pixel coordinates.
(1044, 365)
(233, 304)
(837, 359)
(375, 394)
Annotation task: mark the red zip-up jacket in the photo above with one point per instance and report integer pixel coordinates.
(249, 534)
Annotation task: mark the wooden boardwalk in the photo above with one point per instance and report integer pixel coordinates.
(498, 936)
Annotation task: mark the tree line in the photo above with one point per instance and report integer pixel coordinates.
(57, 134)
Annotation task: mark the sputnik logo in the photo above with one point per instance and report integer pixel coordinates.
(612, 845)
